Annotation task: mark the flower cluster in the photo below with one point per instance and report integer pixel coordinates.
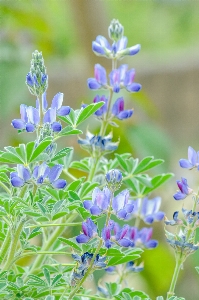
(83, 263)
(42, 117)
(41, 174)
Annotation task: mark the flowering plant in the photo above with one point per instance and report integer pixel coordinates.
(108, 205)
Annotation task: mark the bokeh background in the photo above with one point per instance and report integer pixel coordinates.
(165, 120)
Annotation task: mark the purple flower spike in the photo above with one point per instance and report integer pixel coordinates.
(192, 161)
(184, 189)
(89, 231)
(100, 201)
(118, 110)
(150, 210)
(121, 205)
(100, 80)
(20, 177)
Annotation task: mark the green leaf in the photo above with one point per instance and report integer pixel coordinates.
(147, 163)
(157, 181)
(29, 150)
(197, 269)
(49, 297)
(40, 148)
(69, 130)
(113, 288)
(35, 280)
(56, 279)
(69, 119)
(122, 162)
(144, 179)
(73, 186)
(61, 154)
(80, 165)
(88, 111)
(4, 178)
(47, 275)
(8, 157)
(70, 243)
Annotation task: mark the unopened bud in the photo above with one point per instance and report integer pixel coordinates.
(114, 179)
(115, 30)
(36, 79)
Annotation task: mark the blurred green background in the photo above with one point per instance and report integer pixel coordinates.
(165, 120)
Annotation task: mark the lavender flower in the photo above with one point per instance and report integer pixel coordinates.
(175, 220)
(184, 189)
(98, 143)
(89, 231)
(120, 235)
(100, 80)
(150, 210)
(20, 177)
(85, 260)
(121, 205)
(103, 109)
(43, 174)
(142, 238)
(100, 201)
(192, 161)
(118, 110)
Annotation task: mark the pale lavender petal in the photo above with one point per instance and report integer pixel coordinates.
(23, 113)
(56, 127)
(179, 196)
(118, 106)
(122, 70)
(63, 111)
(35, 172)
(134, 49)
(17, 182)
(129, 208)
(115, 80)
(30, 127)
(13, 174)
(184, 163)
(124, 242)
(100, 74)
(159, 215)
(87, 204)
(121, 214)
(93, 84)
(95, 210)
(82, 238)
(29, 79)
(103, 42)
(50, 116)
(125, 114)
(33, 115)
(192, 156)
(134, 87)
(55, 173)
(98, 49)
(18, 124)
(44, 102)
(59, 184)
(151, 244)
(57, 101)
(149, 219)
(121, 44)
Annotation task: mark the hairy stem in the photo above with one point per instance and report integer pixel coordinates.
(5, 246)
(90, 269)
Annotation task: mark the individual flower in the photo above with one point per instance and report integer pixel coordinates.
(118, 110)
(85, 260)
(122, 206)
(56, 104)
(98, 143)
(175, 220)
(100, 201)
(20, 177)
(132, 267)
(142, 238)
(89, 231)
(121, 78)
(184, 189)
(44, 174)
(192, 161)
(150, 210)
(103, 109)
(100, 80)
(113, 233)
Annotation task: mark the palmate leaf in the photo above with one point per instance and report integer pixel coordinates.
(86, 112)
(39, 149)
(129, 294)
(61, 153)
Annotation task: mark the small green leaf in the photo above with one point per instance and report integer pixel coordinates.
(29, 150)
(69, 130)
(40, 148)
(61, 154)
(157, 181)
(122, 162)
(70, 243)
(47, 275)
(88, 111)
(56, 279)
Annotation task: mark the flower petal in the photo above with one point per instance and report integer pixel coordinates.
(18, 124)
(57, 101)
(59, 184)
(55, 173)
(82, 238)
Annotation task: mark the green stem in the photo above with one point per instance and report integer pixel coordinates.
(73, 293)
(179, 261)
(55, 225)
(58, 231)
(13, 247)
(5, 187)
(69, 174)
(23, 191)
(5, 246)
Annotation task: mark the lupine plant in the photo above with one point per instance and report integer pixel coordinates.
(42, 201)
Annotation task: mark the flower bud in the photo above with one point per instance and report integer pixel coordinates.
(36, 79)
(114, 179)
(115, 30)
